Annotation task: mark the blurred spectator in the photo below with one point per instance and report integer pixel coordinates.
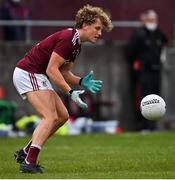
(144, 54)
(14, 10)
(7, 112)
(2, 92)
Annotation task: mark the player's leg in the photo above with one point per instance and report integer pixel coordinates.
(44, 103)
(61, 112)
(21, 154)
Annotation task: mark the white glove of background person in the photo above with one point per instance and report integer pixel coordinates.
(74, 94)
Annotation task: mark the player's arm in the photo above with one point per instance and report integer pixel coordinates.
(86, 82)
(55, 75)
(68, 75)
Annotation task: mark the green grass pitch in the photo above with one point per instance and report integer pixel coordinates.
(99, 156)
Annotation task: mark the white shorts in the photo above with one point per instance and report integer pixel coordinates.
(26, 82)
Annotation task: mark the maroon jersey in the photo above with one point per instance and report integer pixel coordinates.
(66, 43)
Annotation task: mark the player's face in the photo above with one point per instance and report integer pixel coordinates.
(94, 31)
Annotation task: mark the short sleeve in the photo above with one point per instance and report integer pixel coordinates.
(64, 49)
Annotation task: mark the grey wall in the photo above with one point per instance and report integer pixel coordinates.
(108, 64)
(168, 91)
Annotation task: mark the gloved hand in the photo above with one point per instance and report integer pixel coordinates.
(88, 83)
(75, 97)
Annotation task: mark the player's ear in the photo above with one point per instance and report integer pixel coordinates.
(85, 26)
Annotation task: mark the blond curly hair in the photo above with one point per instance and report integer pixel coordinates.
(88, 14)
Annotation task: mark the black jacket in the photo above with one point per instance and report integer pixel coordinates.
(146, 46)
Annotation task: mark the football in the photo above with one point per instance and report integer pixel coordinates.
(152, 107)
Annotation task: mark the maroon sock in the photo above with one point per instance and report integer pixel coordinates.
(27, 147)
(33, 154)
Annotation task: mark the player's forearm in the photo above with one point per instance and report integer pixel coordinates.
(71, 78)
(59, 80)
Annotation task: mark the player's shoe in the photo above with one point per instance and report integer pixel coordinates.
(30, 168)
(20, 156)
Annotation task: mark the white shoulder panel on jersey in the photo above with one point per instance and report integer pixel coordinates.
(76, 37)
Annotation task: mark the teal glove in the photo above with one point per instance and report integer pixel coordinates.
(91, 85)
(75, 97)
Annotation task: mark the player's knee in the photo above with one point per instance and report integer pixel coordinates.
(54, 120)
(60, 120)
(63, 118)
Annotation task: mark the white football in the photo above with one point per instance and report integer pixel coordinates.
(152, 107)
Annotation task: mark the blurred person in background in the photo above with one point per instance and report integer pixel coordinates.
(7, 115)
(14, 10)
(144, 52)
(52, 60)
